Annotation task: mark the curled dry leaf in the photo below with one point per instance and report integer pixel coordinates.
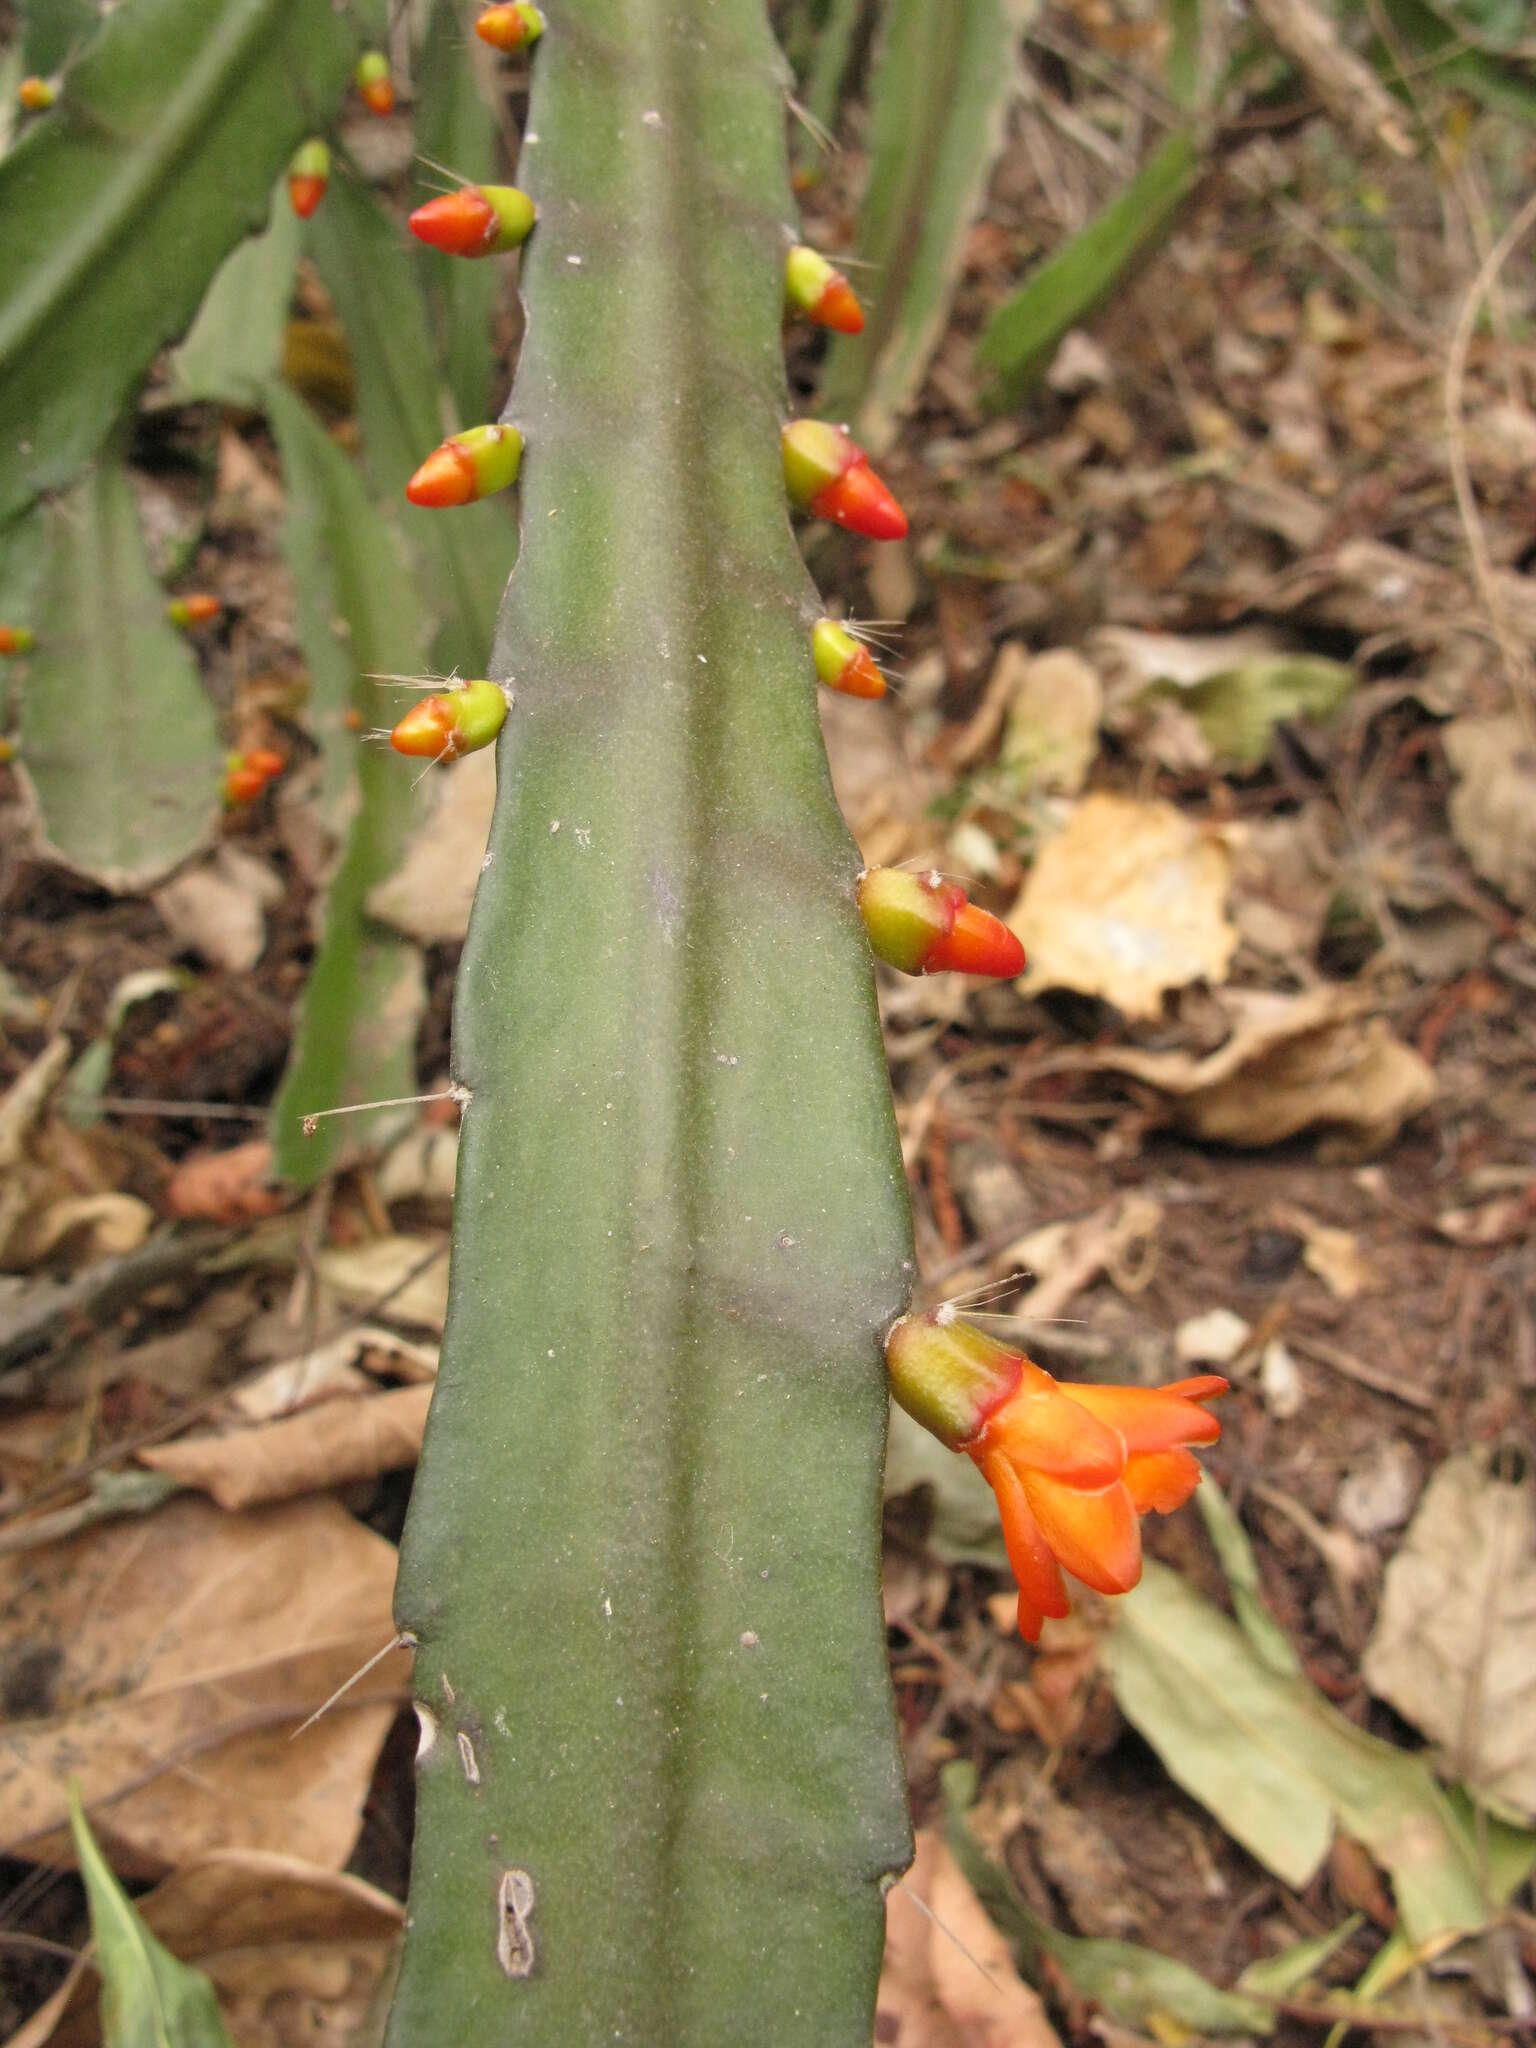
(1126, 903)
(411, 1271)
(296, 1952)
(1051, 730)
(1493, 806)
(1315, 1061)
(225, 1187)
(948, 1980)
(324, 1446)
(165, 1662)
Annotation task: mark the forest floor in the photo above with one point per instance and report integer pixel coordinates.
(1197, 680)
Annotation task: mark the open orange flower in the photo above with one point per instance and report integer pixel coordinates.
(1073, 1467)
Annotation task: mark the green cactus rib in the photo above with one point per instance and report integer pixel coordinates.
(659, 1790)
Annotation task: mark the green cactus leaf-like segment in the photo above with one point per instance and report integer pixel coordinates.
(119, 743)
(939, 101)
(117, 208)
(454, 125)
(462, 557)
(660, 1789)
(356, 1032)
(831, 51)
(53, 30)
(1020, 337)
(236, 342)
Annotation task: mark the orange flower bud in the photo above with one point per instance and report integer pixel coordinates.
(828, 475)
(469, 465)
(309, 172)
(247, 775)
(16, 640)
(197, 610)
(266, 762)
(477, 220)
(510, 26)
(456, 722)
(7, 751)
(37, 95)
(374, 84)
(821, 293)
(1072, 1466)
(844, 663)
(925, 925)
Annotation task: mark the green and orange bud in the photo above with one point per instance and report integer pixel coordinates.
(16, 640)
(828, 475)
(843, 662)
(510, 26)
(375, 87)
(7, 751)
(37, 95)
(1073, 1467)
(190, 612)
(822, 294)
(468, 465)
(925, 925)
(247, 775)
(453, 723)
(309, 172)
(477, 220)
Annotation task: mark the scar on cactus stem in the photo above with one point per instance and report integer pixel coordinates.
(200, 609)
(457, 722)
(375, 87)
(468, 465)
(511, 26)
(843, 662)
(37, 95)
(16, 640)
(477, 220)
(1073, 1467)
(309, 172)
(821, 293)
(828, 475)
(925, 925)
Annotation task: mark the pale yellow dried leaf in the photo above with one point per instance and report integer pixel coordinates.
(327, 1445)
(1493, 806)
(402, 1268)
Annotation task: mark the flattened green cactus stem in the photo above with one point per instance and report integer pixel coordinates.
(446, 725)
(477, 220)
(843, 662)
(468, 465)
(660, 1795)
(511, 26)
(925, 925)
(828, 475)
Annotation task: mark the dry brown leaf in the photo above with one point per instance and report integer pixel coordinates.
(1126, 903)
(1292, 1063)
(103, 1226)
(1493, 806)
(296, 1952)
(1052, 730)
(362, 1275)
(429, 894)
(165, 1661)
(324, 1446)
(1334, 1255)
(216, 910)
(947, 1980)
(331, 1368)
(225, 1187)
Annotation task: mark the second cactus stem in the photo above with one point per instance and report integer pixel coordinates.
(660, 1793)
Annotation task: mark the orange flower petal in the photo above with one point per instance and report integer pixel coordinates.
(1153, 1418)
(1160, 1481)
(1041, 1591)
(1046, 1432)
(1095, 1536)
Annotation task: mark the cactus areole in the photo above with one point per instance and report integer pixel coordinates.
(660, 1794)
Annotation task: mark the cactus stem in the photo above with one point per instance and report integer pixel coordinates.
(510, 26)
(309, 172)
(922, 924)
(477, 220)
(468, 465)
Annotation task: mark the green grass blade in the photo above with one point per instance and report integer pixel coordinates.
(355, 1040)
(939, 102)
(119, 743)
(118, 206)
(660, 1787)
(463, 556)
(1018, 341)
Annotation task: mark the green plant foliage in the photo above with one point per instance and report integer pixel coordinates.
(659, 1787)
(119, 205)
(236, 342)
(53, 30)
(1238, 708)
(462, 556)
(355, 1037)
(938, 105)
(454, 127)
(1019, 339)
(148, 1998)
(831, 51)
(118, 738)
(1136, 1986)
